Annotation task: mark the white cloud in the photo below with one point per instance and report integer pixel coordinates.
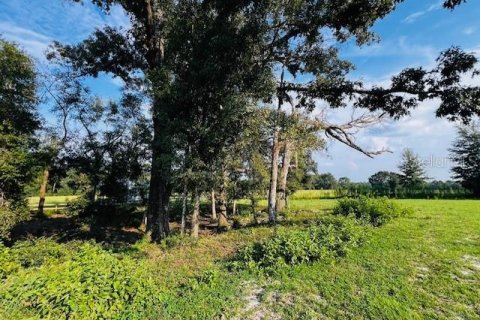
(35, 24)
(414, 16)
(32, 42)
(400, 47)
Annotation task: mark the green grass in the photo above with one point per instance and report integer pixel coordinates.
(425, 266)
(422, 266)
(51, 201)
(313, 194)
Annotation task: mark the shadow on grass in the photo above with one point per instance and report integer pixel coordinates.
(118, 229)
(114, 233)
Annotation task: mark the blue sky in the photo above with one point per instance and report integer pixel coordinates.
(413, 35)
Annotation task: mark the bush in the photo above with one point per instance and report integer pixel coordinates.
(30, 254)
(9, 217)
(77, 206)
(91, 284)
(328, 238)
(178, 240)
(375, 211)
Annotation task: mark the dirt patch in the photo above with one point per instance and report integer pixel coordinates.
(253, 298)
(421, 273)
(254, 308)
(472, 261)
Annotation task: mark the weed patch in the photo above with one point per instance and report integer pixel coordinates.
(326, 239)
(375, 211)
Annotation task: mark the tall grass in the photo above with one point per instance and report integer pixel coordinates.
(314, 194)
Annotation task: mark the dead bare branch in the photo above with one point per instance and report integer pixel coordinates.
(344, 133)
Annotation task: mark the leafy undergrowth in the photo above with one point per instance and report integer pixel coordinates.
(87, 283)
(324, 239)
(375, 211)
(419, 266)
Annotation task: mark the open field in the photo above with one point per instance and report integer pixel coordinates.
(423, 266)
(51, 202)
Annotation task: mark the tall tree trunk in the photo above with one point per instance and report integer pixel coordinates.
(272, 194)
(223, 217)
(214, 209)
(93, 193)
(159, 194)
(195, 215)
(282, 188)
(234, 210)
(43, 189)
(253, 201)
(184, 209)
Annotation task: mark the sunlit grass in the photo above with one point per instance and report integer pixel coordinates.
(422, 266)
(51, 200)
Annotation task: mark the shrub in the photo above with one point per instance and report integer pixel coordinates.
(375, 211)
(10, 216)
(28, 254)
(77, 206)
(178, 240)
(328, 238)
(92, 284)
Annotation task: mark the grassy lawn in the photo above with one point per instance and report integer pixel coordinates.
(426, 266)
(423, 266)
(51, 201)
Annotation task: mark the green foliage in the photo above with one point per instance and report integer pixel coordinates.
(18, 86)
(176, 241)
(326, 181)
(10, 216)
(18, 121)
(375, 211)
(466, 155)
(384, 181)
(431, 190)
(412, 170)
(24, 255)
(77, 206)
(327, 239)
(91, 284)
(75, 181)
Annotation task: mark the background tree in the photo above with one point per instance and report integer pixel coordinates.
(62, 87)
(465, 152)
(326, 181)
(18, 125)
(299, 137)
(113, 149)
(412, 170)
(385, 182)
(344, 182)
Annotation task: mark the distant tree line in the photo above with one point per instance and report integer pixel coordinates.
(411, 180)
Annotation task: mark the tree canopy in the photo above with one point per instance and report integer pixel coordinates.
(465, 153)
(412, 170)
